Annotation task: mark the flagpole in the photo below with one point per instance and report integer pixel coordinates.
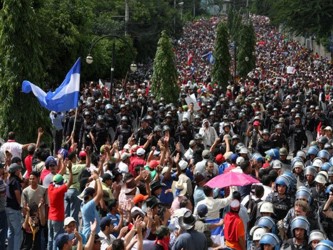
(74, 125)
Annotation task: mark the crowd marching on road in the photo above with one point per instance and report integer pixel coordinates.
(248, 168)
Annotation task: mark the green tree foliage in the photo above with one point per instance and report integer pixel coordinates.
(146, 21)
(311, 17)
(306, 18)
(66, 26)
(262, 7)
(246, 50)
(234, 24)
(21, 58)
(221, 68)
(164, 79)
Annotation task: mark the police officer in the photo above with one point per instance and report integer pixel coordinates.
(99, 134)
(297, 134)
(280, 198)
(123, 132)
(300, 229)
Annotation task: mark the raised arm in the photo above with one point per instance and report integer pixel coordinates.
(99, 194)
(68, 164)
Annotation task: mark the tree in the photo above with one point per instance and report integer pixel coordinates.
(311, 17)
(21, 58)
(164, 79)
(221, 68)
(246, 50)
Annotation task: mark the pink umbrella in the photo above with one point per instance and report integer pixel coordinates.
(231, 179)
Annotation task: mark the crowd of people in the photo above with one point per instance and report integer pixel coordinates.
(131, 173)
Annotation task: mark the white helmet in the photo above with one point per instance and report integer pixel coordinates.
(258, 233)
(266, 207)
(298, 164)
(316, 235)
(317, 162)
(239, 160)
(322, 177)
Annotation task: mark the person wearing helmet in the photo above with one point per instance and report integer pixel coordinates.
(269, 241)
(327, 211)
(283, 158)
(123, 132)
(297, 134)
(196, 123)
(141, 136)
(99, 134)
(322, 141)
(254, 134)
(319, 191)
(184, 133)
(278, 139)
(310, 173)
(298, 170)
(110, 120)
(311, 155)
(168, 121)
(226, 128)
(87, 125)
(324, 155)
(280, 198)
(255, 235)
(324, 245)
(300, 230)
(264, 143)
(315, 237)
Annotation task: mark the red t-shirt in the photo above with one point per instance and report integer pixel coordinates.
(135, 161)
(44, 173)
(28, 165)
(57, 202)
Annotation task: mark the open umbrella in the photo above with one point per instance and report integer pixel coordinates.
(231, 179)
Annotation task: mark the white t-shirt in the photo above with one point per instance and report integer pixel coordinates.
(13, 147)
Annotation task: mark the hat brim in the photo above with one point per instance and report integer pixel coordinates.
(183, 190)
(129, 190)
(185, 226)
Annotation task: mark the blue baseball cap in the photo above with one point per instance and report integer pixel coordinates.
(63, 238)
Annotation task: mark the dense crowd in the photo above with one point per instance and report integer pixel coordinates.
(131, 173)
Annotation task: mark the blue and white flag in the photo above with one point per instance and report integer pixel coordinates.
(217, 234)
(65, 97)
(209, 57)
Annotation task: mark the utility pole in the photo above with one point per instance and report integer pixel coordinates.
(126, 16)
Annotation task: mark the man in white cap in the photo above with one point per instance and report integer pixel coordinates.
(184, 178)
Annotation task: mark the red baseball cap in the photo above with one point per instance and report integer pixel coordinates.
(219, 159)
(153, 164)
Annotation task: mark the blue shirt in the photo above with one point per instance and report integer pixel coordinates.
(167, 198)
(89, 214)
(115, 218)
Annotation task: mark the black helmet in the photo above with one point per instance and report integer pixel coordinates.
(124, 119)
(166, 128)
(157, 128)
(100, 118)
(86, 113)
